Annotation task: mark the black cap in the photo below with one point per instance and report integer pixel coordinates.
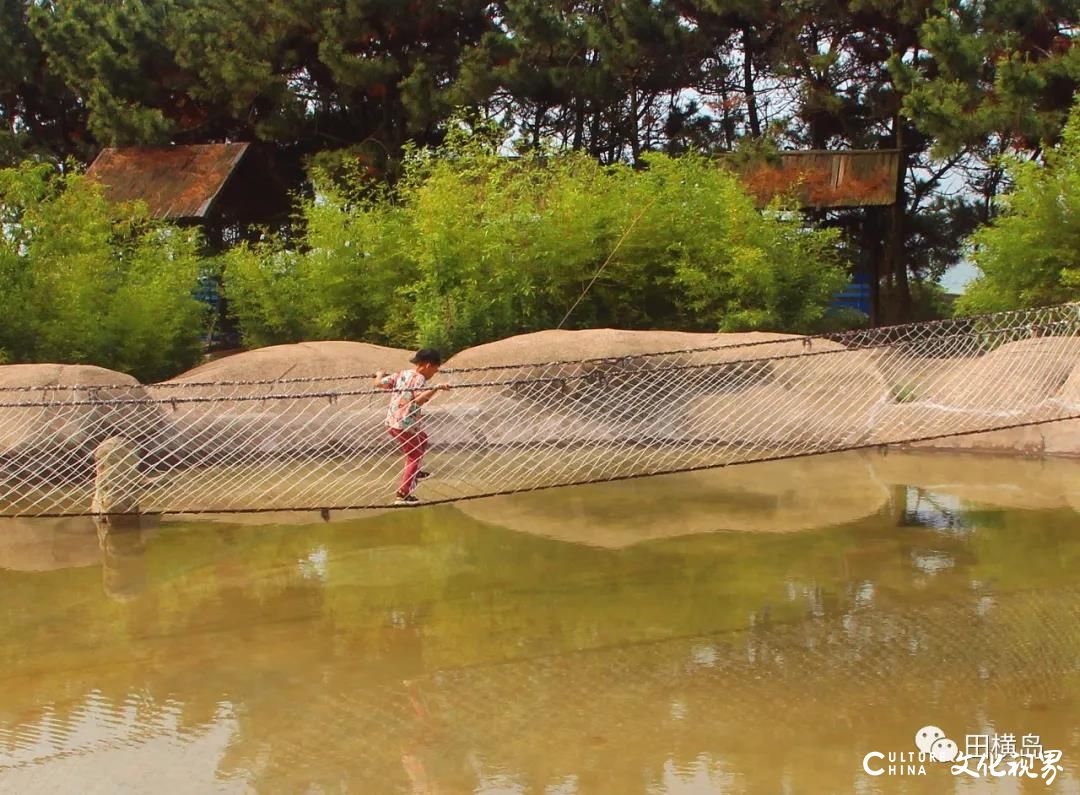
(427, 356)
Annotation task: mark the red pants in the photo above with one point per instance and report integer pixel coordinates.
(413, 445)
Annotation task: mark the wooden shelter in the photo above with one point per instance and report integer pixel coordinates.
(229, 190)
(822, 179)
(222, 187)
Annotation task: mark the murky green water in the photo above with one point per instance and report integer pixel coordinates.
(755, 630)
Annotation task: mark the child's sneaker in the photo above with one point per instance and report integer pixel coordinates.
(422, 474)
(406, 499)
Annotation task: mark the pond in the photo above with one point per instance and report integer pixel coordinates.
(757, 629)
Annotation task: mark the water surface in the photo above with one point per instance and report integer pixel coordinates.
(758, 629)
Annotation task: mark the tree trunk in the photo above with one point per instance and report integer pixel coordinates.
(579, 123)
(748, 84)
(727, 124)
(899, 305)
(872, 241)
(538, 123)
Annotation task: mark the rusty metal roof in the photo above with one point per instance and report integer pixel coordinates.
(827, 178)
(175, 182)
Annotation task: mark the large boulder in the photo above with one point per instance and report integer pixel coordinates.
(280, 400)
(1028, 381)
(52, 417)
(1013, 378)
(326, 360)
(590, 346)
(1068, 397)
(64, 405)
(825, 400)
(603, 385)
(1058, 438)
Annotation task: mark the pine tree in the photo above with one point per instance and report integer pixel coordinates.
(39, 115)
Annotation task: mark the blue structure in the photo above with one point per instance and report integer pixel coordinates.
(856, 295)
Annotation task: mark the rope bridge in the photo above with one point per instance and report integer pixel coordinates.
(320, 443)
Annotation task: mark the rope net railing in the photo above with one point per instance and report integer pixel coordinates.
(320, 443)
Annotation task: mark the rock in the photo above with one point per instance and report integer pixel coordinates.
(118, 483)
(1061, 438)
(602, 385)
(559, 345)
(1068, 397)
(216, 417)
(52, 417)
(1032, 380)
(1014, 378)
(327, 359)
(807, 403)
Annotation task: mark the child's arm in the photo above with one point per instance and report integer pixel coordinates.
(428, 394)
(384, 381)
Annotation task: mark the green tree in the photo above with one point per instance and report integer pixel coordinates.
(507, 246)
(992, 79)
(345, 281)
(599, 76)
(951, 85)
(82, 281)
(39, 114)
(1030, 254)
(307, 76)
(1003, 71)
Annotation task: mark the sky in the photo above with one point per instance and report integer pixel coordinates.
(956, 278)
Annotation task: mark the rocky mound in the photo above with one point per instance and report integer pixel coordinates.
(559, 345)
(217, 417)
(1031, 380)
(657, 385)
(326, 359)
(51, 420)
(1017, 375)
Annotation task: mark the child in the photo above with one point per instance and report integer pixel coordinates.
(403, 416)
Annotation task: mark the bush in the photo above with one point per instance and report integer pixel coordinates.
(1030, 254)
(476, 246)
(347, 280)
(930, 301)
(83, 281)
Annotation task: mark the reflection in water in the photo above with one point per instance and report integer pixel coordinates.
(123, 562)
(924, 508)
(52, 544)
(773, 496)
(432, 651)
(137, 745)
(48, 544)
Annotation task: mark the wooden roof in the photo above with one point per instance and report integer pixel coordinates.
(184, 182)
(175, 182)
(818, 178)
